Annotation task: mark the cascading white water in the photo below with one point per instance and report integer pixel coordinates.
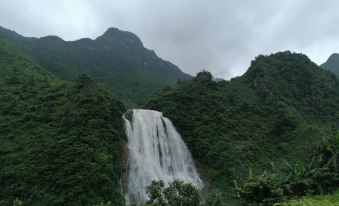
(155, 152)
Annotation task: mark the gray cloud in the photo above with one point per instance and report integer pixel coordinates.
(222, 36)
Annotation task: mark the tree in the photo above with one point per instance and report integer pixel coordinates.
(176, 193)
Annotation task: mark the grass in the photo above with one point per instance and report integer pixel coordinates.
(319, 200)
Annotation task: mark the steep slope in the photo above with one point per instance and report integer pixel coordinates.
(117, 58)
(332, 64)
(272, 114)
(56, 148)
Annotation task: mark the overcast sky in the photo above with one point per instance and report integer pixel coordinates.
(221, 36)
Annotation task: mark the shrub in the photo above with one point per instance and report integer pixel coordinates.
(264, 189)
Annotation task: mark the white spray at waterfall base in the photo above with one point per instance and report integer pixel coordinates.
(155, 152)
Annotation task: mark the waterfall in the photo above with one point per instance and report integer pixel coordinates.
(155, 152)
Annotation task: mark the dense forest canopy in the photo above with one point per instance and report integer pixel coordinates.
(62, 139)
(274, 113)
(61, 143)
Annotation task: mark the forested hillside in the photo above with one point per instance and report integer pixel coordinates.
(275, 113)
(60, 143)
(117, 58)
(332, 64)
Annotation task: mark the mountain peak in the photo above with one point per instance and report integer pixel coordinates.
(332, 64)
(112, 30)
(51, 38)
(116, 58)
(280, 62)
(334, 56)
(271, 75)
(117, 36)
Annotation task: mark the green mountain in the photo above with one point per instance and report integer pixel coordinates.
(332, 64)
(61, 135)
(274, 113)
(117, 58)
(56, 147)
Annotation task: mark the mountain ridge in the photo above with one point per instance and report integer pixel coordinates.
(116, 58)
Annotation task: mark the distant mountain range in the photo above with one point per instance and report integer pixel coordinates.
(117, 58)
(332, 64)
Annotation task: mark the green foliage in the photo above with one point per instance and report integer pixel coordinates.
(298, 181)
(177, 193)
(17, 202)
(109, 203)
(264, 189)
(60, 143)
(216, 198)
(320, 200)
(318, 176)
(275, 112)
(117, 58)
